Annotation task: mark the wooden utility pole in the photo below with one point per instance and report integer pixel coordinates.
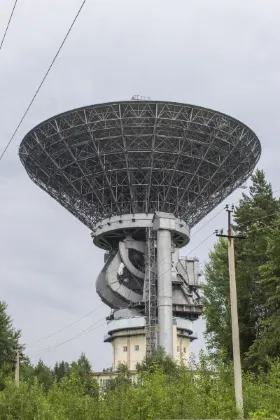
(234, 315)
(17, 368)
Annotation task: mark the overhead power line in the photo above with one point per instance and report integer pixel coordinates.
(217, 214)
(85, 331)
(91, 327)
(208, 221)
(7, 27)
(44, 78)
(68, 326)
(211, 234)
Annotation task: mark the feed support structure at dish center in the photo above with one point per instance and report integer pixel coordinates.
(171, 162)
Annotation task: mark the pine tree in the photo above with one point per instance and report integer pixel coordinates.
(82, 368)
(267, 343)
(44, 375)
(253, 217)
(61, 370)
(9, 337)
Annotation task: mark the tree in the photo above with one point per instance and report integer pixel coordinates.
(158, 360)
(44, 375)
(206, 392)
(27, 370)
(9, 337)
(216, 301)
(255, 215)
(61, 370)
(267, 342)
(82, 369)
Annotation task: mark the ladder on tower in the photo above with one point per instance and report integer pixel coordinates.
(150, 293)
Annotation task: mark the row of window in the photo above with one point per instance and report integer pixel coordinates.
(184, 349)
(136, 348)
(104, 382)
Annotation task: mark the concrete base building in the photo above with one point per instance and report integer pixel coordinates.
(126, 333)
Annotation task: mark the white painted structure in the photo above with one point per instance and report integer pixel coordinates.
(126, 333)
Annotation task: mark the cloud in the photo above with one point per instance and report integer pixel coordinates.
(216, 54)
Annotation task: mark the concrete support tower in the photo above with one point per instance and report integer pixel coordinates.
(165, 224)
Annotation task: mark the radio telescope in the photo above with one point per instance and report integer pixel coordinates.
(140, 174)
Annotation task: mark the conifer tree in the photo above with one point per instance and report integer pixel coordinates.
(9, 337)
(44, 375)
(267, 342)
(255, 215)
(61, 370)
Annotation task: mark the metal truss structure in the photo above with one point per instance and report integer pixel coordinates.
(140, 157)
(150, 293)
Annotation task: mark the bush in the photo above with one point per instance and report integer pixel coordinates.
(204, 390)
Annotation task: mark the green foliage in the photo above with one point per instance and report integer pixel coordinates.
(61, 370)
(257, 278)
(159, 359)
(25, 402)
(69, 400)
(82, 369)
(216, 300)
(9, 337)
(262, 391)
(203, 390)
(27, 371)
(267, 342)
(6, 372)
(44, 375)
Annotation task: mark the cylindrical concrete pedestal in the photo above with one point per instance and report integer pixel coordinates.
(165, 319)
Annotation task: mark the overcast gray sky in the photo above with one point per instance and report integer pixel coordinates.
(214, 53)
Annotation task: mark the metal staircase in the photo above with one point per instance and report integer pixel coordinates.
(150, 293)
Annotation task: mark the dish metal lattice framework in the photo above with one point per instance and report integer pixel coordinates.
(140, 157)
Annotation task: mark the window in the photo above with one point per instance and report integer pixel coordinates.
(136, 348)
(124, 348)
(185, 350)
(177, 348)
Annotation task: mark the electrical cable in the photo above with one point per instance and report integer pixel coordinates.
(89, 329)
(205, 260)
(207, 223)
(85, 331)
(130, 305)
(43, 80)
(67, 326)
(7, 27)
(200, 243)
(261, 218)
(275, 225)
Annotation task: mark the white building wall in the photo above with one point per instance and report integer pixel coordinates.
(125, 349)
(129, 346)
(182, 350)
